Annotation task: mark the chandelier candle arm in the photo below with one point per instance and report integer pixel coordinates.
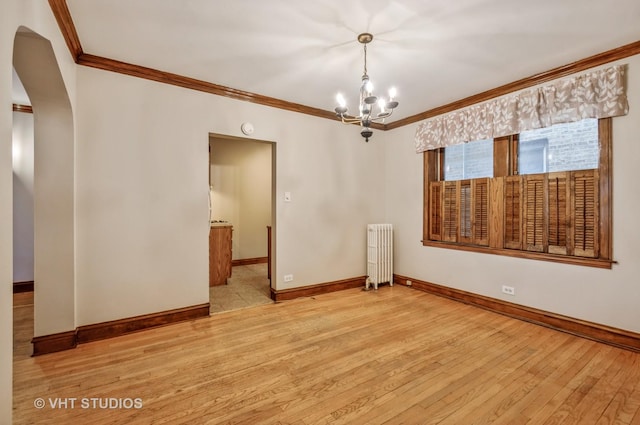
(366, 99)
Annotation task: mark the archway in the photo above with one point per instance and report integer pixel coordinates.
(54, 172)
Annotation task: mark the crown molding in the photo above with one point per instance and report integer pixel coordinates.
(138, 71)
(67, 27)
(543, 77)
(65, 22)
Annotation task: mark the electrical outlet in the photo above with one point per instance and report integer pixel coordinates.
(409, 283)
(288, 277)
(509, 290)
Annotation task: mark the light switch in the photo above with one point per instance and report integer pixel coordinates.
(287, 197)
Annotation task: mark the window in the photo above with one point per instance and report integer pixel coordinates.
(533, 156)
(542, 194)
(469, 160)
(561, 147)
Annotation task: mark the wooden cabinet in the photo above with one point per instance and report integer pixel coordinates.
(219, 254)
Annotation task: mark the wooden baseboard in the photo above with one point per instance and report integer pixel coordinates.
(53, 343)
(247, 261)
(67, 340)
(26, 286)
(322, 288)
(119, 327)
(594, 331)
(22, 108)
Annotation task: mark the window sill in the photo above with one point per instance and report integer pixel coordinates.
(564, 259)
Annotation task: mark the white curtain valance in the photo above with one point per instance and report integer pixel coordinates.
(597, 94)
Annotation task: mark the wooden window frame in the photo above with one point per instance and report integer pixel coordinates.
(497, 240)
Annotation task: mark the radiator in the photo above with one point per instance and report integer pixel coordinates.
(379, 255)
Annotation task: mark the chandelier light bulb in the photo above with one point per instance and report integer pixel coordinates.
(392, 93)
(369, 87)
(341, 109)
(382, 104)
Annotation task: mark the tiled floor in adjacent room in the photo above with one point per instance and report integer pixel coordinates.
(248, 286)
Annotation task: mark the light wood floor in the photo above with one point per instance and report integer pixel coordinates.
(395, 356)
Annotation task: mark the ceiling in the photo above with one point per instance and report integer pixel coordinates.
(433, 51)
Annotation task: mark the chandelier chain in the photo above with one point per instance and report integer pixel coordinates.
(365, 59)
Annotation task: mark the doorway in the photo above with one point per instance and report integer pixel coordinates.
(241, 184)
(53, 201)
(23, 232)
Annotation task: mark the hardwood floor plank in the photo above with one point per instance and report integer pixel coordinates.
(389, 356)
(580, 381)
(467, 392)
(519, 399)
(456, 362)
(541, 402)
(453, 338)
(490, 399)
(609, 380)
(359, 367)
(626, 401)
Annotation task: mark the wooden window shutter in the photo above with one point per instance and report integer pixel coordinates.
(545, 216)
(559, 190)
(513, 212)
(465, 202)
(481, 212)
(534, 235)
(435, 210)
(584, 213)
(450, 212)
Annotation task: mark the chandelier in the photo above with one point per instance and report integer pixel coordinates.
(367, 100)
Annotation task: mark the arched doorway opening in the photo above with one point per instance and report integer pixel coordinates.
(53, 187)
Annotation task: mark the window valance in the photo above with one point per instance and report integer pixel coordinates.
(596, 94)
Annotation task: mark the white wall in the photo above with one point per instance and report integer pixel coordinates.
(607, 297)
(22, 142)
(241, 181)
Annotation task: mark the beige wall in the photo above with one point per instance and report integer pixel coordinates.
(608, 297)
(241, 192)
(22, 142)
(37, 16)
(7, 18)
(142, 201)
(54, 174)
